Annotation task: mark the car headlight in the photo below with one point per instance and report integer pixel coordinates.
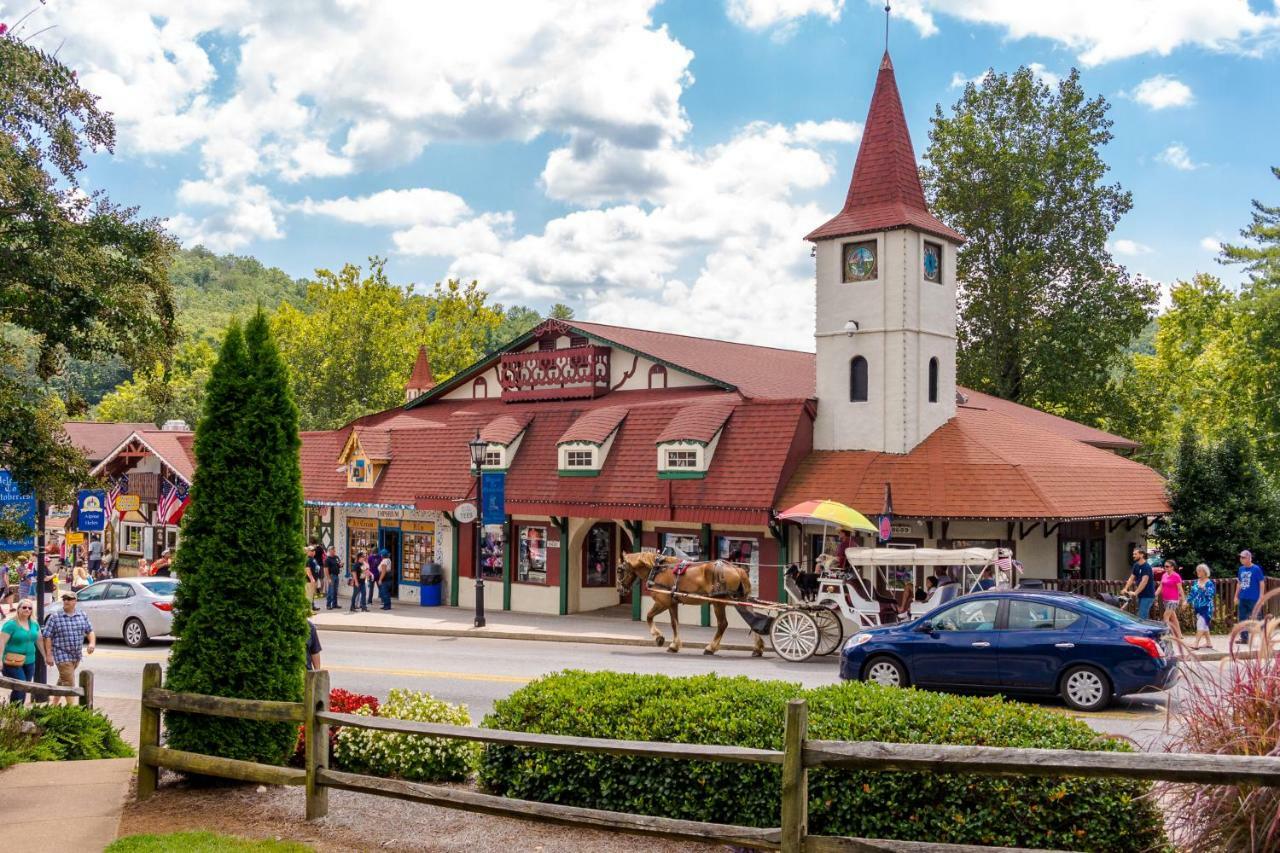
(857, 640)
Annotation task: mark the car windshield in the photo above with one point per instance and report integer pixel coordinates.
(1099, 608)
(161, 587)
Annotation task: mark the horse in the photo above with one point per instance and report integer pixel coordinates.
(706, 579)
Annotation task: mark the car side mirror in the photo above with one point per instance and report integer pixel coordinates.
(925, 627)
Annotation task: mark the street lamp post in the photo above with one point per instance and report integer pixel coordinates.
(477, 447)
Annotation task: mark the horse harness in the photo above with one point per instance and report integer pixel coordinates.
(719, 589)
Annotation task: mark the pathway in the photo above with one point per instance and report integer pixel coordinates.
(61, 806)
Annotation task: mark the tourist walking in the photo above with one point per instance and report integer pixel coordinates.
(1141, 583)
(1248, 590)
(18, 638)
(333, 576)
(1201, 595)
(371, 575)
(64, 635)
(95, 556)
(357, 573)
(163, 567)
(385, 572)
(79, 578)
(313, 647)
(1171, 596)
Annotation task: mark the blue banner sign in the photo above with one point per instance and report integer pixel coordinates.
(493, 488)
(92, 515)
(17, 505)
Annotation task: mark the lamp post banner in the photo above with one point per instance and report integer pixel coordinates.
(493, 500)
(91, 505)
(17, 505)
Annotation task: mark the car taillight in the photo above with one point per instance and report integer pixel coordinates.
(166, 606)
(1148, 645)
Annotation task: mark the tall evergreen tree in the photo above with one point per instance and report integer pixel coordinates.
(1260, 255)
(241, 611)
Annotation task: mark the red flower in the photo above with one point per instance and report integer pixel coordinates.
(4, 28)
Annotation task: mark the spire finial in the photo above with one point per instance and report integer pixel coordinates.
(886, 27)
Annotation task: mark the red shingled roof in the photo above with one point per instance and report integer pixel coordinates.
(885, 191)
(1045, 420)
(985, 464)
(595, 426)
(96, 439)
(504, 428)
(376, 443)
(696, 423)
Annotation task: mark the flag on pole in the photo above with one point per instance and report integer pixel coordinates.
(174, 498)
(116, 488)
(886, 517)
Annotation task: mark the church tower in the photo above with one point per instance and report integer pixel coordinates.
(886, 306)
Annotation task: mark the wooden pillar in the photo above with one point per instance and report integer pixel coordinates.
(317, 743)
(86, 687)
(456, 530)
(562, 525)
(782, 534)
(795, 779)
(148, 733)
(707, 549)
(636, 529)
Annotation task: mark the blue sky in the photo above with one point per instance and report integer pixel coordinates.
(655, 164)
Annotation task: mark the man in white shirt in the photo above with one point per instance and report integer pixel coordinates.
(95, 555)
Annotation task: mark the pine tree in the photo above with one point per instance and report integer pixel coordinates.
(241, 612)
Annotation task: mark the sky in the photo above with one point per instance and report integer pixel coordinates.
(653, 164)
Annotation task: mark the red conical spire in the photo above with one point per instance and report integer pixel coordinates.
(421, 379)
(885, 191)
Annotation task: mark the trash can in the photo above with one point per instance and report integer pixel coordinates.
(430, 585)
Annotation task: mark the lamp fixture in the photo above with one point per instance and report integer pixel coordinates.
(477, 450)
(850, 326)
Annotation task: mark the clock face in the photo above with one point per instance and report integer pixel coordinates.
(860, 261)
(932, 262)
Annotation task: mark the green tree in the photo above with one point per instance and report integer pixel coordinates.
(1262, 258)
(351, 346)
(80, 277)
(560, 311)
(1045, 312)
(158, 395)
(516, 320)
(1221, 502)
(241, 610)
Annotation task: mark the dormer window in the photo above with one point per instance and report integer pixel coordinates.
(584, 446)
(493, 458)
(677, 459)
(685, 460)
(359, 475)
(579, 459)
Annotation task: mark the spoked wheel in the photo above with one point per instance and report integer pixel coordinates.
(794, 635)
(830, 630)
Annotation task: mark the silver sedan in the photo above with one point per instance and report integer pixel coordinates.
(133, 609)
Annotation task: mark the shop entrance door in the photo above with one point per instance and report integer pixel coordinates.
(389, 540)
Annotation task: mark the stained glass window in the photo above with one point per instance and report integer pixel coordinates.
(860, 261)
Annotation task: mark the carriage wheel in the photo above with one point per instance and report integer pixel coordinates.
(830, 630)
(794, 635)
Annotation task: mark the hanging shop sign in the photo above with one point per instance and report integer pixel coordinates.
(494, 489)
(128, 503)
(17, 505)
(465, 513)
(75, 537)
(91, 508)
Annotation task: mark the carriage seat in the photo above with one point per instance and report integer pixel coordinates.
(941, 595)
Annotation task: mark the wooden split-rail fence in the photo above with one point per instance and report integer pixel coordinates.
(798, 756)
(82, 694)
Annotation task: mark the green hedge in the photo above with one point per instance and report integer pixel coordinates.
(67, 733)
(1077, 814)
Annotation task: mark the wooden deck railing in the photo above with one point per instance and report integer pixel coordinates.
(83, 693)
(797, 757)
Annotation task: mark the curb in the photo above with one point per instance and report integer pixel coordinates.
(502, 634)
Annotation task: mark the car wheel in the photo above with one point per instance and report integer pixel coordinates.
(1085, 688)
(135, 634)
(885, 671)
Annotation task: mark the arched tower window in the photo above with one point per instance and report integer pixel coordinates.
(858, 380)
(933, 380)
(480, 388)
(657, 376)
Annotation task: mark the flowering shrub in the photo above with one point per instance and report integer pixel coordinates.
(340, 702)
(413, 757)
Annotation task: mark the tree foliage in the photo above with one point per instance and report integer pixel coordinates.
(1045, 312)
(80, 277)
(157, 395)
(1221, 502)
(1261, 254)
(241, 610)
(351, 345)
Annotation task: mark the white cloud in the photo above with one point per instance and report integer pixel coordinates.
(767, 14)
(1130, 248)
(1044, 75)
(1161, 92)
(1178, 157)
(242, 214)
(1211, 244)
(483, 233)
(1100, 31)
(958, 80)
(419, 206)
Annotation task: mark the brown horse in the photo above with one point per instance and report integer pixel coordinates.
(706, 579)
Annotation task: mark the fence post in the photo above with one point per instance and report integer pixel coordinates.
(148, 733)
(86, 685)
(317, 743)
(795, 778)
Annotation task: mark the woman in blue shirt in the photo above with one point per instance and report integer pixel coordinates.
(1201, 596)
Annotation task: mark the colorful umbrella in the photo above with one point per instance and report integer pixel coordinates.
(828, 512)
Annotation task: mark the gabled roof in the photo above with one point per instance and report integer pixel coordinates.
(505, 428)
(595, 426)
(421, 378)
(1045, 420)
(96, 439)
(174, 449)
(376, 443)
(985, 464)
(696, 423)
(885, 190)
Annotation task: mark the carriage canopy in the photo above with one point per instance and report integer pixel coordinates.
(924, 556)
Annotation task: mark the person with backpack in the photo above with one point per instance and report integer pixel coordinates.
(385, 571)
(357, 574)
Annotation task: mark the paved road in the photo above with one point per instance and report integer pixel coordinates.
(477, 672)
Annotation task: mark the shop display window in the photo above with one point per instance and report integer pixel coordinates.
(362, 535)
(742, 551)
(599, 558)
(688, 545)
(531, 563)
(417, 549)
(491, 555)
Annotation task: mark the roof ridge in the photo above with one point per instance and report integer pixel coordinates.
(692, 337)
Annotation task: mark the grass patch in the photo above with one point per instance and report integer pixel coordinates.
(201, 842)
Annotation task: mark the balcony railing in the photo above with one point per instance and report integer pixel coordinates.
(558, 374)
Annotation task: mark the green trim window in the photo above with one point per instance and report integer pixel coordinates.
(579, 458)
(682, 460)
(493, 459)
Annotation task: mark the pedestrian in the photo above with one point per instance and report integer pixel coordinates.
(1141, 583)
(18, 638)
(1201, 595)
(333, 575)
(112, 569)
(1248, 590)
(357, 573)
(64, 635)
(313, 647)
(79, 578)
(385, 572)
(6, 589)
(311, 584)
(163, 567)
(371, 575)
(1171, 596)
(95, 556)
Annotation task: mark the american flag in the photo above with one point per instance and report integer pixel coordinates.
(174, 498)
(117, 488)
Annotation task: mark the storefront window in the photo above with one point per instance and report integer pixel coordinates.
(362, 535)
(599, 558)
(131, 536)
(1070, 559)
(687, 545)
(311, 523)
(743, 552)
(531, 564)
(418, 548)
(491, 555)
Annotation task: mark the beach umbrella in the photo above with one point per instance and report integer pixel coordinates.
(828, 512)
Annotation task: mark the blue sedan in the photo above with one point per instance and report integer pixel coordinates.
(1019, 641)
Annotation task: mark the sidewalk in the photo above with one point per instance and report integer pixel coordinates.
(60, 806)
